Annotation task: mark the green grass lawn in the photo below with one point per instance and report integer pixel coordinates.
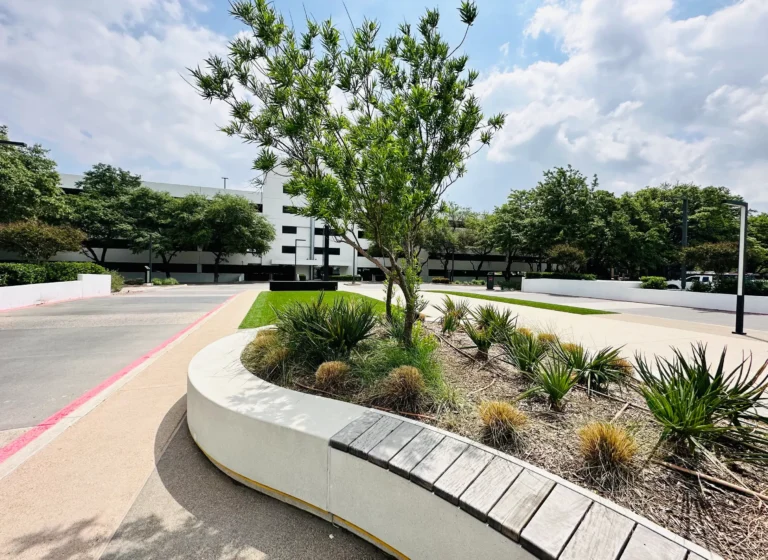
(527, 303)
(262, 311)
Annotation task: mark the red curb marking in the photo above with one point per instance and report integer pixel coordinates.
(33, 433)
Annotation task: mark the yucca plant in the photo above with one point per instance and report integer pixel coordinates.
(481, 337)
(496, 321)
(458, 309)
(594, 369)
(524, 352)
(697, 406)
(484, 315)
(450, 322)
(554, 379)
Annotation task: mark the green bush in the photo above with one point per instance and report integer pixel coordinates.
(68, 271)
(440, 280)
(561, 275)
(701, 287)
(653, 282)
(17, 274)
(302, 277)
(375, 358)
(506, 285)
(134, 282)
(117, 280)
(158, 281)
(728, 285)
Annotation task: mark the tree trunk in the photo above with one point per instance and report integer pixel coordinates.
(479, 269)
(508, 270)
(390, 290)
(103, 256)
(216, 269)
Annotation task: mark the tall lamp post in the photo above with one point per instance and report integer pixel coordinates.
(743, 213)
(296, 257)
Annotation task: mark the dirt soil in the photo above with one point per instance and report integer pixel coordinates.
(732, 524)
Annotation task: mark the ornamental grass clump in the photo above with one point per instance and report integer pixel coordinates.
(525, 331)
(332, 375)
(549, 339)
(607, 445)
(266, 355)
(554, 379)
(403, 389)
(501, 421)
(524, 352)
(700, 409)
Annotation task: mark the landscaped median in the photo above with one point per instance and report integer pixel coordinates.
(414, 490)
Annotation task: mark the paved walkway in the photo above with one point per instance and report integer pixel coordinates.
(125, 481)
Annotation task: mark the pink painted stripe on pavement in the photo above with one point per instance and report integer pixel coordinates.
(33, 433)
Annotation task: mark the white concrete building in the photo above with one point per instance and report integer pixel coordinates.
(298, 241)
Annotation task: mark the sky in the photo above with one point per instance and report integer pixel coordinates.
(639, 93)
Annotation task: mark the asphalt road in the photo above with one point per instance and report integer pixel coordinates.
(52, 354)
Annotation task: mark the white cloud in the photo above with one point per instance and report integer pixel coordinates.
(504, 49)
(104, 82)
(641, 97)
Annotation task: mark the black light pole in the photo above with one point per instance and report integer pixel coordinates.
(684, 244)
(12, 143)
(326, 255)
(453, 262)
(743, 213)
(150, 258)
(295, 257)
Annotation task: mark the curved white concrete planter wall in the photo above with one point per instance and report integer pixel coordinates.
(317, 454)
(631, 291)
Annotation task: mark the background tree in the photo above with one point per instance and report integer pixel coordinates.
(36, 242)
(441, 240)
(718, 257)
(232, 225)
(103, 209)
(29, 184)
(509, 227)
(567, 257)
(476, 238)
(383, 160)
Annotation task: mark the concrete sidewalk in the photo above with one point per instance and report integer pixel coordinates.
(71, 497)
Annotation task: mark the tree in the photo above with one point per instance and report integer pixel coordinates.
(477, 238)
(102, 209)
(719, 257)
(509, 227)
(36, 242)
(29, 183)
(568, 257)
(233, 225)
(441, 240)
(383, 159)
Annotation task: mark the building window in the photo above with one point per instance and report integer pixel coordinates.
(289, 249)
(318, 231)
(259, 208)
(361, 235)
(291, 209)
(285, 189)
(331, 250)
(290, 229)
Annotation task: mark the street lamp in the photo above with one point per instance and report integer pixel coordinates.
(296, 256)
(12, 143)
(743, 213)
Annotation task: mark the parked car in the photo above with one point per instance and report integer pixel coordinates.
(703, 278)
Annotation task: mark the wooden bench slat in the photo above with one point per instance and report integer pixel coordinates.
(353, 430)
(437, 462)
(601, 536)
(645, 544)
(393, 443)
(372, 436)
(553, 524)
(518, 504)
(412, 454)
(487, 488)
(463, 472)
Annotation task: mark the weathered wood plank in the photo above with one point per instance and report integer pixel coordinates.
(373, 435)
(553, 524)
(487, 488)
(518, 504)
(601, 535)
(437, 462)
(353, 430)
(645, 544)
(463, 472)
(412, 454)
(393, 443)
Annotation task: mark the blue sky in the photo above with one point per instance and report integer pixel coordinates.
(637, 92)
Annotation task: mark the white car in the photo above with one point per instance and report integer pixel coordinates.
(703, 278)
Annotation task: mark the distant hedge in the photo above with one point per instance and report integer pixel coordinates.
(17, 274)
(344, 278)
(561, 275)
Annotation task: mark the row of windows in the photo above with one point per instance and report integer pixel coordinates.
(291, 250)
(318, 231)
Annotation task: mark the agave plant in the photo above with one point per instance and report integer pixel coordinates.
(594, 369)
(697, 406)
(525, 352)
(481, 337)
(554, 379)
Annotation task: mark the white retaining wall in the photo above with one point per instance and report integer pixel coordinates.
(86, 286)
(631, 291)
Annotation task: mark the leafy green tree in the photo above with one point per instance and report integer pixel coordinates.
(441, 241)
(29, 183)
(103, 209)
(509, 227)
(384, 158)
(719, 257)
(232, 225)
(567, 257)
(36, 242)
(477, 239)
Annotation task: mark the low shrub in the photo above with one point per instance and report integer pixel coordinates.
(501, 421)
(403, 389)
(701, 287)
(17, 274)
(134, 281)
(525, 352)
(332, 375)
(62, 271)
(505, 285)
(302, 277)
(117, 281)
(554, 379)
(165, 282)
(158, 281)
(441, 280)
(266, 356)
(653, 282)
(561, 275)
(728, 284)
(606, 445)
(478, 282)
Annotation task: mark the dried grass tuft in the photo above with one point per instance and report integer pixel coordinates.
(403, 389)
(332, 375)
(501, 420)
(607, 445)
(524, 331)
(548, 338)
